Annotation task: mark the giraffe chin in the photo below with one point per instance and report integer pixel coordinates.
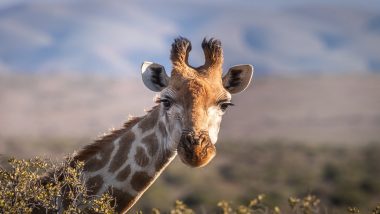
(196, 155)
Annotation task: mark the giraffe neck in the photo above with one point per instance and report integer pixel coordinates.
(128, 161)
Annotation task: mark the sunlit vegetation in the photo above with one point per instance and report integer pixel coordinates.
(295, 178)
(339, 175)
(22, 189)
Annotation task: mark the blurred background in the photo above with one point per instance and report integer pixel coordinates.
(310, 123)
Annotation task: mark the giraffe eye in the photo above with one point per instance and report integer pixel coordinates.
(166, 103)
(224, 106)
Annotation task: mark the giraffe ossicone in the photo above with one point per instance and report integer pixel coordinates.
(185, 121)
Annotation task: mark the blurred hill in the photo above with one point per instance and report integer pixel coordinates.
(334, 109)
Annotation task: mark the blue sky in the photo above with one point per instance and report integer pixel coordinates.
(278, 37)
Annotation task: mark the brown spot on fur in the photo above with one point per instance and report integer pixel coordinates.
(151, 142)
(140, 180)
(150, 120)
(123, 201)
(163, 159)
(94, 184)
(140, 157)
(104, 150)
(123, 174)
(121, 155)
(104, 144)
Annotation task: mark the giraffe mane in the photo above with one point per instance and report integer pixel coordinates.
(89, 150)
(93, 148)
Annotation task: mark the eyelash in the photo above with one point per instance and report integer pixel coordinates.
(224, 105)
(166, 102)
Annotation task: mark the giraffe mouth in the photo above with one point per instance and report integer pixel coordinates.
(196, 151)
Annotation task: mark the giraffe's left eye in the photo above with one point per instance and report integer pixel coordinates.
(166, 103)
(224, 106)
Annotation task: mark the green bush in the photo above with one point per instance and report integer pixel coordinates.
(22, 189)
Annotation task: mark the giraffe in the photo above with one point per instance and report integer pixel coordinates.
(185, 122)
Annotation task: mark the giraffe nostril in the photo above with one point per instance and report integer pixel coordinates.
(202, 139)
(188, 139)
(196, 142)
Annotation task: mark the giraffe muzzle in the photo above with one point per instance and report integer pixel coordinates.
(196, 150)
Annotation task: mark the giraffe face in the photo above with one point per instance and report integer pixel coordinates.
(193, 101)
(193, 109)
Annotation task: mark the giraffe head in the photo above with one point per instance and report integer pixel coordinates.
(194, 99)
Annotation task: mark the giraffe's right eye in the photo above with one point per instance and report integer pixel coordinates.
(224, 106)
(166, 103)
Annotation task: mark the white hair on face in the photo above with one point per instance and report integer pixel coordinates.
(214, 119)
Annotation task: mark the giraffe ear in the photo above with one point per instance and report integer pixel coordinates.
(238, 78)
(154, 76)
